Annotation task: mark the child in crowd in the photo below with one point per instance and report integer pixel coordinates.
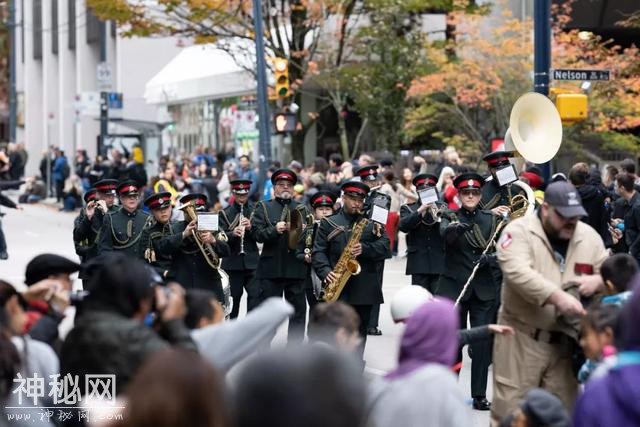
(617, 272)
(538, 408)
(597, 340)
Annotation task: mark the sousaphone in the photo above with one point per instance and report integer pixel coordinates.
(535, 128)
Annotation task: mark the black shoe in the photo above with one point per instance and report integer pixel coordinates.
(481, 404)
(374, 331)
(4, 255)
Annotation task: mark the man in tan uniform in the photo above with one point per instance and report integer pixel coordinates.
(540, 256)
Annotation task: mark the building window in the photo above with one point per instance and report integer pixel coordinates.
(71, 9)
(54, 27)
(93, 28)
(37, 29)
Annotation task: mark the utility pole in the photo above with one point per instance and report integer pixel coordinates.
(13, 104)
(104, 96)
(263, 107)
(542, 57)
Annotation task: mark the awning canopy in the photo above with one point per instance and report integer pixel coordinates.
(196, 73)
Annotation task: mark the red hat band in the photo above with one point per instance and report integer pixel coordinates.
(469, 183)
(284, 175)
(158, 202)
(354, 189)
(498, 161)
(129, 189)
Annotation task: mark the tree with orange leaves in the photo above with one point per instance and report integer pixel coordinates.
(467, 101)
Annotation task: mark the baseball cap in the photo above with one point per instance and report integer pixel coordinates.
(564, 197)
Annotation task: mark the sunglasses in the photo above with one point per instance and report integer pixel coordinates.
(470, 192)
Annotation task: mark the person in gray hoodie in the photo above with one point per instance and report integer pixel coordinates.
(427, 350)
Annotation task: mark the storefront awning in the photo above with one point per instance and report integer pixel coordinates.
(197, 73)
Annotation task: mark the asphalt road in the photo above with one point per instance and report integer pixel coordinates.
(42, 228)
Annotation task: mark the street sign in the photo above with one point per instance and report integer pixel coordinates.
(88, 104)
(103, 74)
(582, 75)
(114, 100)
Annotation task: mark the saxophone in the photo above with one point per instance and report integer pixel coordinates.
(346, 266)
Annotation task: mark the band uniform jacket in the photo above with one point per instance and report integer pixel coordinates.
(276, 259)
(332, 237)
(463, 252)
(86, 233)
(121, 231)
(493, 195)
(229, 219)
(425, 245)
(152, 233)
(188, 265)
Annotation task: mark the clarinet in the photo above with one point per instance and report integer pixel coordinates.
(243, 230)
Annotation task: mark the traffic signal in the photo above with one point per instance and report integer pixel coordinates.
(284, 122)
(281, 67)
(572, 107)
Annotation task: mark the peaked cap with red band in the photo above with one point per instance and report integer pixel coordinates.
(199, 199)
(158, 200)
(425, 179)
(468, 180)
(355, 189)
(241, 186)
(498, 158)
(106, 186)
(284, 174)
(128, 188)
(323, 198)
(368, 173)
(90, 195)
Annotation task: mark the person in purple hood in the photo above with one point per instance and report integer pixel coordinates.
(613, 399)
(428, 348)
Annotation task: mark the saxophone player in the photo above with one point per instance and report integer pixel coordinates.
(189, 266)
(241, 264)
(421, 221)
(363, 290)
(322, 204)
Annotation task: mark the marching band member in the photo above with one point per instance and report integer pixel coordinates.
(497, 197)
(425, 246)
(122, 229)
(363, 290)
(322, 204)
(465, 241)
(279, 271)
(189, 265)
(160, 226)
(99, 200)
(242, 262)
